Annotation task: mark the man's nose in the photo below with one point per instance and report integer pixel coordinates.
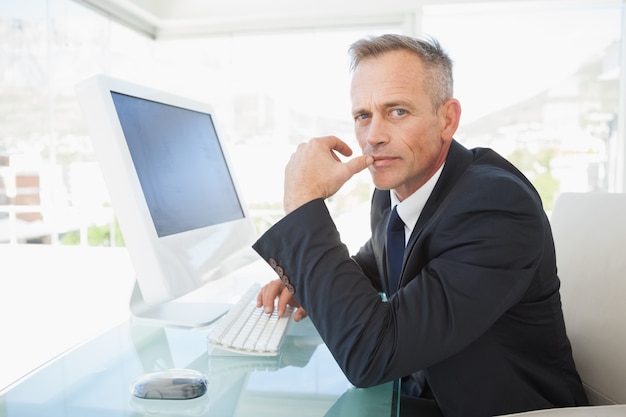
(376, 132)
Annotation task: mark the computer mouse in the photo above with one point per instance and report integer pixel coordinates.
(171, 384)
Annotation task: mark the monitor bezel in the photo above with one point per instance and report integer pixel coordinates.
(172, 266)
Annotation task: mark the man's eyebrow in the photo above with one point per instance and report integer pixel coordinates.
(396, 103)
(388, 105)
(359, 110)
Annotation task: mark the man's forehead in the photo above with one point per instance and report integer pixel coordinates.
(388, 82)
(399, 66)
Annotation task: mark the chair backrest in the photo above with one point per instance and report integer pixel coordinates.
(590, 237)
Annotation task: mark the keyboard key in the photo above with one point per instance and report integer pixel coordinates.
(248, 329)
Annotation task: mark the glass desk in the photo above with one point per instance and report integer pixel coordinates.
(94, 379)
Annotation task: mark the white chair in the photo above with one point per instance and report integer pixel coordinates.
(590, 237)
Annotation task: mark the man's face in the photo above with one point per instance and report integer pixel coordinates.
(395, 122)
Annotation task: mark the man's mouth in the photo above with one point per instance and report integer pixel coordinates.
(383, 161)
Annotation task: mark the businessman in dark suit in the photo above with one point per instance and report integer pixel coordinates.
(473, 323)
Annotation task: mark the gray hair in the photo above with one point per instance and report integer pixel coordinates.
(438, 65)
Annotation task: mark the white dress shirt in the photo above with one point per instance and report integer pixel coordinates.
(411, 207)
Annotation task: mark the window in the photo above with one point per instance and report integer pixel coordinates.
(271, 91)
(538, 82)
(544, 95)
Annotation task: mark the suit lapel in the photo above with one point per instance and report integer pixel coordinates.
(459, 158)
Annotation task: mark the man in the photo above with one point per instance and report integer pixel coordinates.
(473, 322)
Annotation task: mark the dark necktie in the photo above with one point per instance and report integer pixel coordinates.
(415, 383)
(395, 249)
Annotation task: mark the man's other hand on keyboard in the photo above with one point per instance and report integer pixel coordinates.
(276, 289)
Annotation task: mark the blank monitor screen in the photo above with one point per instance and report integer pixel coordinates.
(183, 218)
(161, 139)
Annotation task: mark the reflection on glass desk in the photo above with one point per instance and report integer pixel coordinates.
(94, 379)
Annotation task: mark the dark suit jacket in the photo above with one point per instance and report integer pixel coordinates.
(478, 310)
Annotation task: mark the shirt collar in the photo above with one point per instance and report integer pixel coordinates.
(411, 207)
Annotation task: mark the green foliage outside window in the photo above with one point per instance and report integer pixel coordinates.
(97, 235)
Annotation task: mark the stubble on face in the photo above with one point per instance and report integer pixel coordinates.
(395, 122)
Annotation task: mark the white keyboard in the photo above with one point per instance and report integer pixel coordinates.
(247, 329)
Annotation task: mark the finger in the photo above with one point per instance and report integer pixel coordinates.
(259, 298)
(359, 163)
(299, 314)
(268, 294)
(338, 145)
(284, 299)
(354, 165)
(267, 300)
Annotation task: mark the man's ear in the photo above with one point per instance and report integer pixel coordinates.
(449, 116)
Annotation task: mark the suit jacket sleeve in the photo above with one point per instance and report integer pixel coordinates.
(483, 246)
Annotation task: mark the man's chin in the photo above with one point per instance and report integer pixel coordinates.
(382, 183)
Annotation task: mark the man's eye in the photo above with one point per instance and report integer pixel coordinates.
(361, 116)
(399, 112)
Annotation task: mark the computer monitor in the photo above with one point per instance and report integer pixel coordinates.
(172, 188)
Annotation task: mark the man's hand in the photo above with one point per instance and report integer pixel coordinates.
(315, 171)
(274, 289)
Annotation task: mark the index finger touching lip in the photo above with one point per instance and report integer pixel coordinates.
(334, 143)
(342, 147)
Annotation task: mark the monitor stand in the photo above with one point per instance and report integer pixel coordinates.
(175, 313)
